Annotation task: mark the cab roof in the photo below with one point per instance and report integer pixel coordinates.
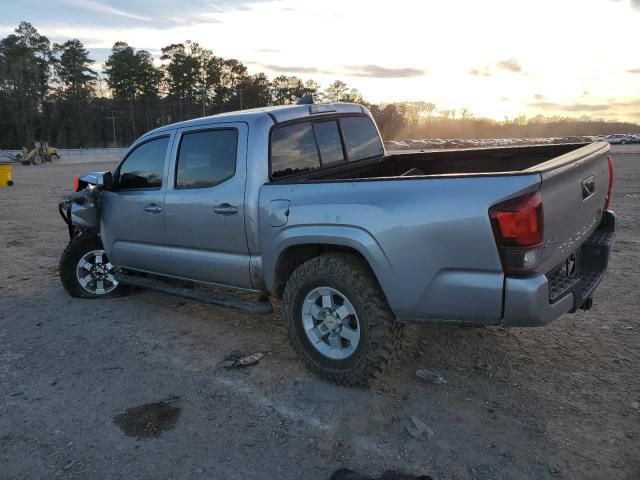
(278, 114)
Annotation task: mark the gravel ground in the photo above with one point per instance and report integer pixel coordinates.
(554, 402)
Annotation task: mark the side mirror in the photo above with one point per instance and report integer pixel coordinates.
(104, 181)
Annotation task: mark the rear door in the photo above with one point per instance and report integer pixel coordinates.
(574, 188)
(204, 205)
(132, 214)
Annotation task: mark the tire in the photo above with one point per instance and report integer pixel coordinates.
(54, 156)
(37, 160)
(379, 333)
(623, 142)
(79, 252)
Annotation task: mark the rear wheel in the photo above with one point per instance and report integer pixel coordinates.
(36, 160)
(623, 142)
(85, 270)
(338, 319)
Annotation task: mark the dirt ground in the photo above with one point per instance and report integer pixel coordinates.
(554, 402)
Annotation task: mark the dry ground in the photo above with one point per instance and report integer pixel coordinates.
(555, 402)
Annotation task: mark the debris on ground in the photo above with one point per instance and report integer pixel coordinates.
(430, 377)
(480, 365)
(238, 360)
(347, 474)
(69, 465)
(418, 429)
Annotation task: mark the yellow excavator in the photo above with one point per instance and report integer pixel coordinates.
(39, 152)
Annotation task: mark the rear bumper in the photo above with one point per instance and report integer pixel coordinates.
(537, 300)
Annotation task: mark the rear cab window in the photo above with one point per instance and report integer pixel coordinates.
(329, 142)
(206, 158)
(361, 138)
(313, 144)
(293, 150)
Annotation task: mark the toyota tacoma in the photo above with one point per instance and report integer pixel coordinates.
(302, 204)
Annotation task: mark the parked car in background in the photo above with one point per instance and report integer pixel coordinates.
(620, 138)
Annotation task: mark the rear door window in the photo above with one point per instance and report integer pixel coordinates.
(361, 138)
(206, 158)
(293, 150)
(144, 167)
(329, 143)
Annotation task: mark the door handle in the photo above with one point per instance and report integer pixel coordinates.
(152, 208)
(225, 209)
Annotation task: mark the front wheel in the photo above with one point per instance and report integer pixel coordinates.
(85, 270)
(623, 142)
(338, 320)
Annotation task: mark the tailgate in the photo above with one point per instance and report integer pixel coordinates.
(574, 187)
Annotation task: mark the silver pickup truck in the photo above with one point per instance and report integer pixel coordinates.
(302, 204)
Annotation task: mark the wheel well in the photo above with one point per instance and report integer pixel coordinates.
(295, 256)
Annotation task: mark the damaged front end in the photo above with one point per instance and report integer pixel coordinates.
(81, 210)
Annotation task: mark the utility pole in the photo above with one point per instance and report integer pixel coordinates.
(204, 91)
(133, 119)
(204, 88)
(113, 117)
(240, 91)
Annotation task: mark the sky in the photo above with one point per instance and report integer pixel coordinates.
(497, 58)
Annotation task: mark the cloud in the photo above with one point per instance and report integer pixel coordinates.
(510, 64)
(98, 7)
(614, 108)
(268, 50)
(538, 96)
(292, 69)
(630, 103)
(186, 19)
(376, 71)
(572, 107)
(371, 71)
(480, 72)
(634, 70)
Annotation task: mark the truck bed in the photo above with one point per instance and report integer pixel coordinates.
(433, 229)
(449, 162)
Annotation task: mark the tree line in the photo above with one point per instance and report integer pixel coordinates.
(51, 91)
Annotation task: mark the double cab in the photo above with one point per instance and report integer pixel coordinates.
(303, 205)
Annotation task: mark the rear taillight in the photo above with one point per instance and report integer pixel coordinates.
(518, 226)
(76, 183)
(607, 202)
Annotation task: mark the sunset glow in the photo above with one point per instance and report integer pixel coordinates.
(495, 58)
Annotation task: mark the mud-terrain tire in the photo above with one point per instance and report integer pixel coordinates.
(82, 248)
(342, 275)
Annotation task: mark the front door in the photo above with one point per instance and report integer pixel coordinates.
(204, 205)
(132, 213)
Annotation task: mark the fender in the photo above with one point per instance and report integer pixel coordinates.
(349, 236)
